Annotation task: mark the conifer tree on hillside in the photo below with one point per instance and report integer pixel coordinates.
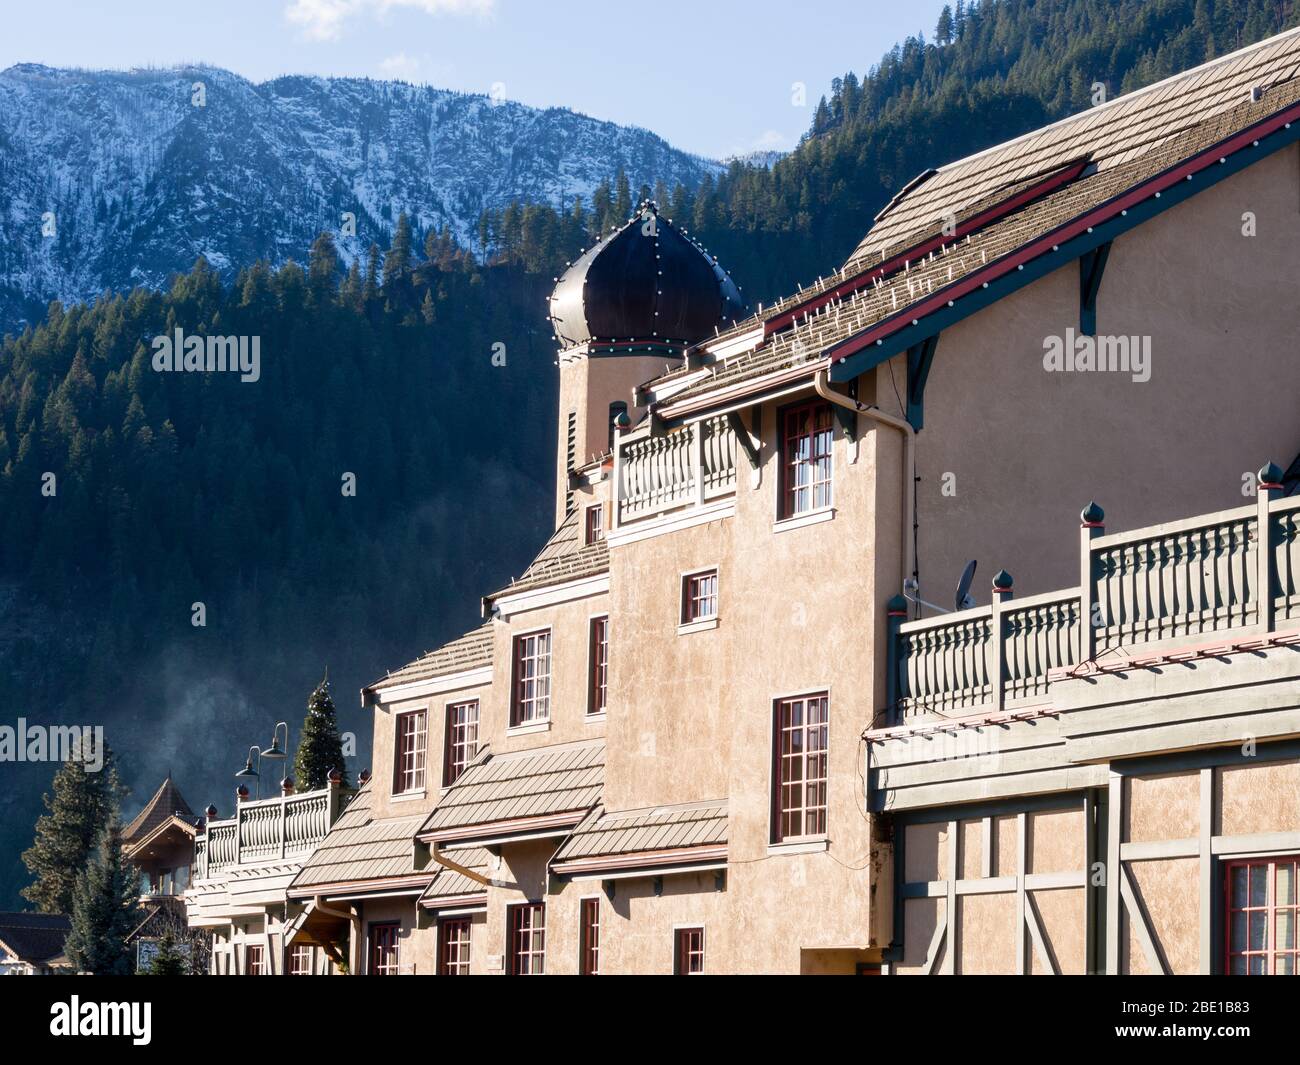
(104, 909)
(397, 262)
(80, 803)
(320, 748)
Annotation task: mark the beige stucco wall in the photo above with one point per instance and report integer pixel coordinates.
(1221, 310)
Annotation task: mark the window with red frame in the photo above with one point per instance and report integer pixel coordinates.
(453, 946)
(599, 657)
(412, 736)
(595, 523)
(532, 685)
(254, 964)
(300, 961)
(700, 596)
(1262, 912)
(806, 436)
(688, 957)
(527, 925)
(384, 949)
(462, 739)
(801, 733)
(589, 921)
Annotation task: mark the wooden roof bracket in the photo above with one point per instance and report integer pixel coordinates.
(750, 444)
(1092, 264)
(920, 357)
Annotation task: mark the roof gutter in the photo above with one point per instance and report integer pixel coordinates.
(821, 385)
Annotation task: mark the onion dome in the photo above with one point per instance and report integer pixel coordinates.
(646, 282)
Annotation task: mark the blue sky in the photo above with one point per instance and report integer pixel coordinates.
(712, 77)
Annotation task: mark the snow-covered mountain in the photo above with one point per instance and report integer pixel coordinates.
(113, 179)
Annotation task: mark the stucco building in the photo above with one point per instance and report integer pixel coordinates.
(692, 736)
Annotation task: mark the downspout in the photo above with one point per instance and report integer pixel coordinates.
(821, 384)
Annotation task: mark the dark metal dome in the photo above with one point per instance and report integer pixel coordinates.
(645, 282)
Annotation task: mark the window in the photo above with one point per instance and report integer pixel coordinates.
(462, 740)
(453, 946)
(527, 925)
(700, 596)
(412, 732)
(589, 920)
(688, 955)
(383, 949)
(595, 523)
(253, 963)
(806, 433)
(1261, 917)
(300, 961)
(800, 800)
(532, 687)
(599, 657)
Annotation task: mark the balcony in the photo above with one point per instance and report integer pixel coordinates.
(266, 831)
(685, 467)
(1151, 592)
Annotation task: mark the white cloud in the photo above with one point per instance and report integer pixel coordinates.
(324, 20)
(769, 141)
(401, 65)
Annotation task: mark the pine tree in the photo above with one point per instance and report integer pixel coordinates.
(81, 804)
(104, 909)
(319, 747)
(322, 265)
(397, 262)
(168, 960)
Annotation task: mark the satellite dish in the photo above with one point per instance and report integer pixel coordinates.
(963, 600)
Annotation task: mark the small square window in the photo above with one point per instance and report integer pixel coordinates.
(699, 596)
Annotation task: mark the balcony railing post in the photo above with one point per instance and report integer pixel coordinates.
(895, 615)
(1268, 489)
(1092, 524)
(1002, 593)
(697, 459)
(241, 797)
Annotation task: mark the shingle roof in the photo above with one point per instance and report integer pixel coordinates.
(563, 558)
(1128, 141)
(166, 801)
(606, 834)
(360, 847)
(541, 783)
(34, 937)
(471, 651)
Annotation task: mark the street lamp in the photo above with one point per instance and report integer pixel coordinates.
(276, 753)
(249, 771)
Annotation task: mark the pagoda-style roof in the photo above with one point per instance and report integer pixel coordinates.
(167, 802)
